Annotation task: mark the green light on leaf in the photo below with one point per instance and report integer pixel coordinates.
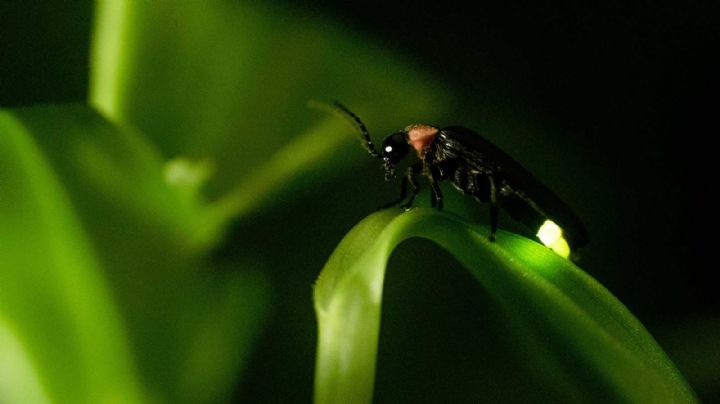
(552, 236)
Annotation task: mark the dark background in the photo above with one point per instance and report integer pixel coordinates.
(630, 86)
(631, 82)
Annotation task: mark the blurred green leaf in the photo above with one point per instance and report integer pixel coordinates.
(180, 308)
(295, 170)
(59, 327)
(584, 337)
(229, 82)
(19, 379)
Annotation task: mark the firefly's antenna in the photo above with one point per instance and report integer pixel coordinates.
(339, 109)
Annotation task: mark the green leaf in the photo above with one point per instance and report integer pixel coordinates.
(140, 226)
(60, 331)
(584, 336)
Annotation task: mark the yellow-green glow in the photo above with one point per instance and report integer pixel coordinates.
(561, 247)
(552, 236)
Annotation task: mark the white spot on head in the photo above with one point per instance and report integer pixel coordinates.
(388, 149)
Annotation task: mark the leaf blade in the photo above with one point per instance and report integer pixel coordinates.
(139, 237)
(54, 293)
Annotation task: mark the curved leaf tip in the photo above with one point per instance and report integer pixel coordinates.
(576, 323)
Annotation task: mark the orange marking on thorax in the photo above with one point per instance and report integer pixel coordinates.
(420, 137)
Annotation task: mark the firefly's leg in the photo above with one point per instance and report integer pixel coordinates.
(493, 208)
(410, 174)
(437, 197)
(408, 178)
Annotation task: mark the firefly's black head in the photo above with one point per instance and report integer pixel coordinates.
(394, 148)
